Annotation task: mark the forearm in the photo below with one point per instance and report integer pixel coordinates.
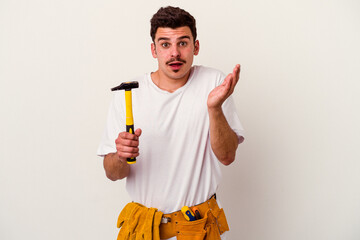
(115, 168)
(223, 139)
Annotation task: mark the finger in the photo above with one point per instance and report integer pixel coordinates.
(232, 81)
(227, 84)
(238, 72)
(128, 143)
(126, 149)
(235, 78)
(138, 132)
(128, 155)
(227, 80)
(126, 135)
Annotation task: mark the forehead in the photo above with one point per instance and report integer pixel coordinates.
(173, 33)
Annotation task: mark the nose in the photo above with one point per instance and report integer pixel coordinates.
(175, 53)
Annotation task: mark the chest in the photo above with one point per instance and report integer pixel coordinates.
(170, 115)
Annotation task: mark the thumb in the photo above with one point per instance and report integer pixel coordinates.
(138, 132)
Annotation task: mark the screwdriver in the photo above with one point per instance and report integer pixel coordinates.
(188, 214)
(196, 212)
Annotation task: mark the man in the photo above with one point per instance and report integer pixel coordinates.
(187, 125)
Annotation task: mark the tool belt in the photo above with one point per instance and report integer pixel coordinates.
(138, 222)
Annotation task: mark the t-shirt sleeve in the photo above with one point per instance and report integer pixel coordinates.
(114, 125)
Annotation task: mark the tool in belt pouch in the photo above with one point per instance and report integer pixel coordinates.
(212, 224)
(138, 222)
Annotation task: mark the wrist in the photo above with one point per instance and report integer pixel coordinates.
(120, 160)
(215, 110)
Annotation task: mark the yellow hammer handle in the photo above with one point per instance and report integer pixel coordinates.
(129, 119)
(129, 113)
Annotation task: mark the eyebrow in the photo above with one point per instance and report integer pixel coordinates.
(167, 39)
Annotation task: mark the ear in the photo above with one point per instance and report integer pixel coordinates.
(153, 50)
(197, 47)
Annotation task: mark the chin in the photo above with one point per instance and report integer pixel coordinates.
(180, 73)
(177, 75)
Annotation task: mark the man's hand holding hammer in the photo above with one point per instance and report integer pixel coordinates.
(127, 143)
(127, 146)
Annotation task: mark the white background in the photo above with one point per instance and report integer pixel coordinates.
(296, 176)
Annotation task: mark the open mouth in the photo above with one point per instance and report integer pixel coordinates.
(175, 66)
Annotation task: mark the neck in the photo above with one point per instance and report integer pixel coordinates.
(168, 84)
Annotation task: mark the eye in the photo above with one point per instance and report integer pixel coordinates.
(165, 45)
(183, 44)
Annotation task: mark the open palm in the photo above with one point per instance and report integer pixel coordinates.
(219, 94)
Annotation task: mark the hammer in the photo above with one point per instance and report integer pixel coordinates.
(127, 86)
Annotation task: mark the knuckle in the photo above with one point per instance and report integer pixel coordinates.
(129, 143)
(119, 150)
(121, 155)
(135, 150)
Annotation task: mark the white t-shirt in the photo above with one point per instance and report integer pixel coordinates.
(176, 166)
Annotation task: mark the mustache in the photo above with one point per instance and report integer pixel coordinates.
(175, 60)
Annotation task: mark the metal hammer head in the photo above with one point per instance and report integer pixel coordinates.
(127, 86)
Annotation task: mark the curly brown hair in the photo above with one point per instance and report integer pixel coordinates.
(172, 17)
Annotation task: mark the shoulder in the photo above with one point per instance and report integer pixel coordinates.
(209, 74)
(207, 70)
(141, 79)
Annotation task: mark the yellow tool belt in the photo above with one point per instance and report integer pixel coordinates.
(138, 222)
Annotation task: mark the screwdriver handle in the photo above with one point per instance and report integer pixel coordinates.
(188, 214)
(196, 213)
